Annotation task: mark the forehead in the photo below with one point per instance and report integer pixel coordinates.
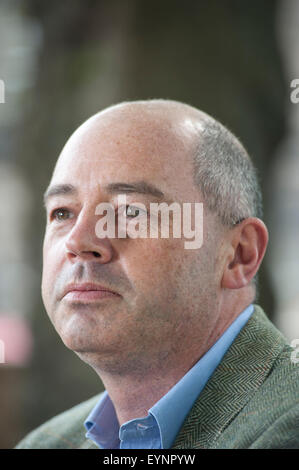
(126, 148)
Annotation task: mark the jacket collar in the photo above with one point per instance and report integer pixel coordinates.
(241, 372)
(87, 444)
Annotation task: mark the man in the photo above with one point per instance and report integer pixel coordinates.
(187, 360)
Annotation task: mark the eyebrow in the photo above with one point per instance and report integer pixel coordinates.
(138, 187)
(59, 190)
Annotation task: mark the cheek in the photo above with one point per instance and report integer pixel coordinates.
(154, 266)
(47, 279)
(51, 269)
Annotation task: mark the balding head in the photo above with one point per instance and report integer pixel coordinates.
(222, 169)
(159, 124)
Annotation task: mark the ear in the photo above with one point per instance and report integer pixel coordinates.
(247, 246)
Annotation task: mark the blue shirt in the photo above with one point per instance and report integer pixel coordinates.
(160, 427)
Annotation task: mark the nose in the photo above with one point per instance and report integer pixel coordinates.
(83, 244)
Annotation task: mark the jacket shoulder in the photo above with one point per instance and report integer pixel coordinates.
(270, 419)
(272, 416)
(251, 399)
(63, 431)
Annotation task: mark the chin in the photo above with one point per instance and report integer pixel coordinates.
(76, 336)
(75, 343)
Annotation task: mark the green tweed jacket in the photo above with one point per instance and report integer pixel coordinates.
(250, 402)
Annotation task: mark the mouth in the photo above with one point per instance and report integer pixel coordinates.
(88, 292)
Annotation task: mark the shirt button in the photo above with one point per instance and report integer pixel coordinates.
(142, 426)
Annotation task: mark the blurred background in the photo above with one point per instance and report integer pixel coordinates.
(61, 62)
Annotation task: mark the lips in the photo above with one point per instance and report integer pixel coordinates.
(87, 291)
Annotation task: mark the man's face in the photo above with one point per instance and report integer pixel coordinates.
(163, 290)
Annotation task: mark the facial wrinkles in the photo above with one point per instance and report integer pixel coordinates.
(103, 274)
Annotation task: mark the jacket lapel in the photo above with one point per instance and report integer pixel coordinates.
(87, 444)
(241, 372)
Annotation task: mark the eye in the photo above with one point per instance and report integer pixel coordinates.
(61, 214)
(132, 211)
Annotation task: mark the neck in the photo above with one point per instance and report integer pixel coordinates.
(134, 386)
(133, 393)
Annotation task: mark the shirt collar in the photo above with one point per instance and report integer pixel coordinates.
(102, 424)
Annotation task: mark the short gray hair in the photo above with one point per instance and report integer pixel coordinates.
(225, 174)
